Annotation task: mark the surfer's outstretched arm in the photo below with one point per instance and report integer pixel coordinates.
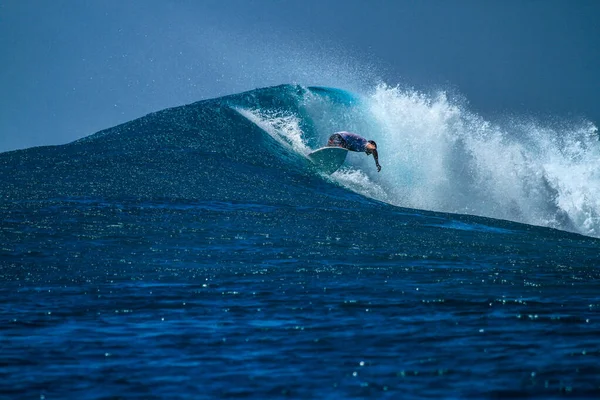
(376, 157)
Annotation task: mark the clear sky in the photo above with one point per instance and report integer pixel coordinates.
(72, 67)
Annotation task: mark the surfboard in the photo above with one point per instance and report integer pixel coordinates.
(328, 159)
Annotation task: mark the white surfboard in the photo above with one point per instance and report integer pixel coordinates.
(328, 159)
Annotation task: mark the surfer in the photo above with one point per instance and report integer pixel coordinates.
(354, 142)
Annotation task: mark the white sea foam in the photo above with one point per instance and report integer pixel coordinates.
(284, 128)
(437, 155)
(358, 181)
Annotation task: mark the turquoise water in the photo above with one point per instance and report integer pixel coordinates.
(196, 253)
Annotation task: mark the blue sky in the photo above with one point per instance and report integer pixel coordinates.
(73, 67)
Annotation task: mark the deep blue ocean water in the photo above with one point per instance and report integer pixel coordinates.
(196, 253)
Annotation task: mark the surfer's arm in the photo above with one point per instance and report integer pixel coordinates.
(376, 157)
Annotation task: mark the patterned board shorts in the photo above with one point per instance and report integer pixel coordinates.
(336, 140)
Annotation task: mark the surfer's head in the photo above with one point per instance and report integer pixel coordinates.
(371, 146)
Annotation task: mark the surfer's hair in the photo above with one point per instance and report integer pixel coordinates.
(373, 143)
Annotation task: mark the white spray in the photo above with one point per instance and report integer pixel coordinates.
(439, 156)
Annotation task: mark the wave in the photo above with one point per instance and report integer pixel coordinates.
(251, 147)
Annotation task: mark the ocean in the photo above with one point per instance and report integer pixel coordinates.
(197, 253)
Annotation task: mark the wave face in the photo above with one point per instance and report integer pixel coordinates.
(197, 252)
